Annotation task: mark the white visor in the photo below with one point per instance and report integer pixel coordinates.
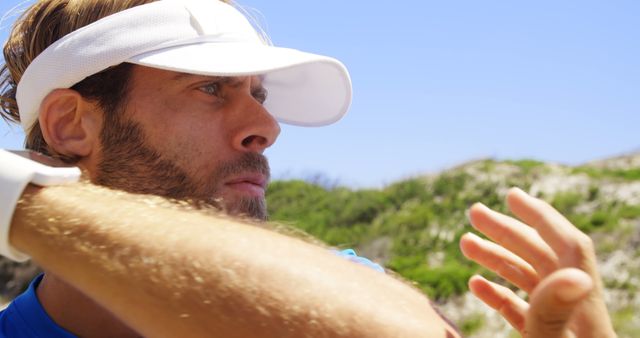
(205, 37)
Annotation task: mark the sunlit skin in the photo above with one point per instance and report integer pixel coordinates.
(199, 123)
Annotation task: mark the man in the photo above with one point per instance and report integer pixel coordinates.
(175, 99)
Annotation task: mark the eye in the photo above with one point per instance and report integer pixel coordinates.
(260, 94)
(210, 89)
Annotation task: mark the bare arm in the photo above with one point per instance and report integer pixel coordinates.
(168, 272)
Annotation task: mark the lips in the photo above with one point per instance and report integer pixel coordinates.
(252, 184)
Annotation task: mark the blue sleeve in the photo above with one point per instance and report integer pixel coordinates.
(351, 255)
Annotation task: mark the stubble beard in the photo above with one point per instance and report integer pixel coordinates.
(128, 163)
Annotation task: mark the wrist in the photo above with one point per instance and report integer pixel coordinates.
(26, 201)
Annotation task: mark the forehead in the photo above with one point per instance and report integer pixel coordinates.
(142, 73)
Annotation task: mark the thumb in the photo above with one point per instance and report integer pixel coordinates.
(554, 300)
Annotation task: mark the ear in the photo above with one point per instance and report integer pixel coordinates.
(70, 124)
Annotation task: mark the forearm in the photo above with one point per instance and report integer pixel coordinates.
(169, 272)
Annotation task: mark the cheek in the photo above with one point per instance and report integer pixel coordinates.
(194, 145)
(185, 133)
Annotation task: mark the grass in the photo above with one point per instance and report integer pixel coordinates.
(622, 322)
(632, 174)
(472, 324)
(526, 165)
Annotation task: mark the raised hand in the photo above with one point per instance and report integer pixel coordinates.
(547, 257)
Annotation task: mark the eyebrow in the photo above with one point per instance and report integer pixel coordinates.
(233, 81)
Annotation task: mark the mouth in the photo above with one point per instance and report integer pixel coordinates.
(248, 184)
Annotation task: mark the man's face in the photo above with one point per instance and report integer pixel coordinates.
(191, 137)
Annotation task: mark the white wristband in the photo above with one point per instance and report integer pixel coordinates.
(13, 179)
(17, 169)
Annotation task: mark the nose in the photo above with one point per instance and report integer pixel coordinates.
(258, 129)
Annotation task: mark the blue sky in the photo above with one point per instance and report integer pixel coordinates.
(437, 83)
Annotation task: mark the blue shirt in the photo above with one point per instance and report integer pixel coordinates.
(25, 317)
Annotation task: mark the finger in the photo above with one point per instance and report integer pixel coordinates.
(515, 236)
(554, 301)
(506, 302)
(572, 246)
(500, 260)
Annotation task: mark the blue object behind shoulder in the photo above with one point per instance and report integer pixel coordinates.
(351, 255)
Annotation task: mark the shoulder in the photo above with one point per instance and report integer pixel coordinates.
(25, 317)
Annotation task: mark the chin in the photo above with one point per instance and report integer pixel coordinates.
(250, 207)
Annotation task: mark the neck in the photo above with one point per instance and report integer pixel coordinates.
(77, 313)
